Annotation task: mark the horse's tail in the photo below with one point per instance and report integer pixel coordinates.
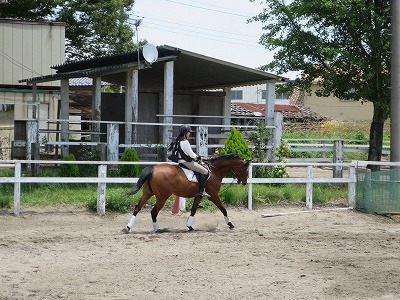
(146, 175)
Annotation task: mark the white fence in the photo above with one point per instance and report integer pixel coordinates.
(102, 179)
(324, 146)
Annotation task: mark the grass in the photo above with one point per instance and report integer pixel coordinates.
(117, 199)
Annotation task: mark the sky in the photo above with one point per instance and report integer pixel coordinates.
(215, 28)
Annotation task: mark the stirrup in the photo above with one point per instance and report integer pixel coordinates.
(204, 194)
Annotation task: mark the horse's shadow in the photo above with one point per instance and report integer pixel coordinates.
(171, 231)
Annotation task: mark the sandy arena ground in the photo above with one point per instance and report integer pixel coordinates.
(71, 253)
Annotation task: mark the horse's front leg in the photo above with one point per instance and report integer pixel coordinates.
(195, 206)
(218, 203)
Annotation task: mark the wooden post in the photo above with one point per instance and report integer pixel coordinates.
(352, 187)
(338, 158)
(131, 105)
(226, 108)
(101, 190)
(309, 188)
(202, 141)
(250, 193)
(96, 108)
(64, 115)
(277, 137)
(17, 188)
(269, 113)
(168, 100)
(112, 142)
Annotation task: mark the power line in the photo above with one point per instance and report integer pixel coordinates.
(210, 9)
(17, 63)
(206, 38)
(163, 28)
(196, 27)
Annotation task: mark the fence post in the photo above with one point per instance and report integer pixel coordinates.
(202, 141)
(352, 187)
(309, 187)
(250, 193)
(17, 188)
(278, 121)
(101, 190)
(112, 142)
(338, 158)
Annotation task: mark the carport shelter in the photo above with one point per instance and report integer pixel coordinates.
(179, 87)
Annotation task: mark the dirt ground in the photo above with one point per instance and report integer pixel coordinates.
(71, 253)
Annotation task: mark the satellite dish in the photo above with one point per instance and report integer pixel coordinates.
(150, 53)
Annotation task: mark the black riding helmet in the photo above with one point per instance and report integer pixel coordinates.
(184, 129)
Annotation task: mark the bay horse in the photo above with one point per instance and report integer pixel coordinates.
(165, 179)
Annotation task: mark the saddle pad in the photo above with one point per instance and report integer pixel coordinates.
(190, 175)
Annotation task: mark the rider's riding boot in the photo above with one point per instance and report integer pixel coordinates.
(202, 182)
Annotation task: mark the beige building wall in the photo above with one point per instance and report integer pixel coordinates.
(28, 49)
(341, 110)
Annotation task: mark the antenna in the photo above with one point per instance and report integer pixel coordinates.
(150, 53)
(137, 24)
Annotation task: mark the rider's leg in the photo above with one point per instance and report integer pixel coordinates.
(203, 177)
(202, 183)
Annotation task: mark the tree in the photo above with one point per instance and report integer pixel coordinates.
(235, 143)
(92, 28)
(343, 43)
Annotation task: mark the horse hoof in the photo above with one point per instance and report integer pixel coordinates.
(231, 225)
(190, 228)
(125, 230)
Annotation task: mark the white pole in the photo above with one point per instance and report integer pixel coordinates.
(17, 188)
(101, 191)
(309, 188)
(250, 193)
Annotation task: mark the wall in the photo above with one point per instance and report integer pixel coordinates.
(336, 109)
(28, 49)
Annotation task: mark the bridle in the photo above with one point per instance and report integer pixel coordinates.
(239, 176)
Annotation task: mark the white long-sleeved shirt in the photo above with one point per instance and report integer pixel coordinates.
(185, 146)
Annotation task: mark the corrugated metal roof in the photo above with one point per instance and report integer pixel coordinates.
(84, 81)
(192, 71)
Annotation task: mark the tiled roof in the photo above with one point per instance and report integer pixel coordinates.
(290, 112)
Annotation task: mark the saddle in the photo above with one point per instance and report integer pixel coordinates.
(191, 175)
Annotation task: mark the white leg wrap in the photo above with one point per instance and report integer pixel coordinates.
(227, 220)
(189, 221)
(131, 222)
(156, 227)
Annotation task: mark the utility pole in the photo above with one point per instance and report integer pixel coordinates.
(395, 82)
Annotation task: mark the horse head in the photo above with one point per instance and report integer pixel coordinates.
(242, 172)
(232, 162)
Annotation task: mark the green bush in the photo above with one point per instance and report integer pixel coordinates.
(236, 144)
(129, 154)
(69, 170)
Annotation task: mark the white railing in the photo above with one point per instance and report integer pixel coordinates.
(102, 179)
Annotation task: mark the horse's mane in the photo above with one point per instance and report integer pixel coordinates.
(227, 156)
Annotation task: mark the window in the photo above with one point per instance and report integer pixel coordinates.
(236, 95)
(279, 96)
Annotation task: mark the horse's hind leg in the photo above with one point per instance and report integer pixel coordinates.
(145, 196)
(154, 212)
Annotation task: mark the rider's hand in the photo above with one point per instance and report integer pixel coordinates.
(198, 158)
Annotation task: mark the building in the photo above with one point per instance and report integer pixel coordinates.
(27, 49)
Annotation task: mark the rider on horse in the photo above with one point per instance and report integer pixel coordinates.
(188, 158)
